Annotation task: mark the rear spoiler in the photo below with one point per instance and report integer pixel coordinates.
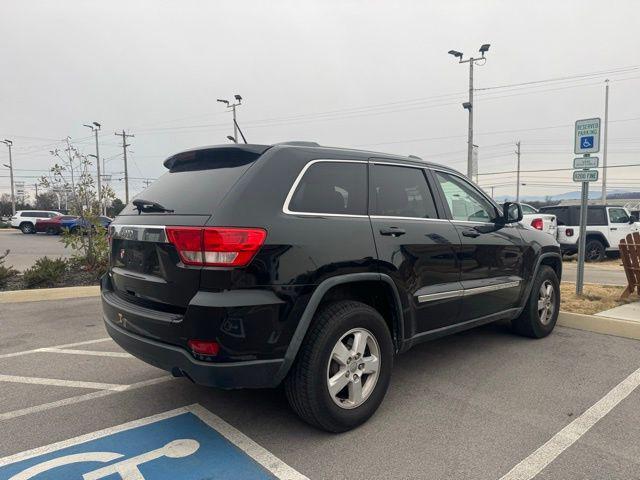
(217, 154)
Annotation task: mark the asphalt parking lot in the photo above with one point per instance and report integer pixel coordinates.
(474, 405)
(26, 249)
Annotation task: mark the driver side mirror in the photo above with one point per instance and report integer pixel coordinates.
(511, 212)
(633, 219)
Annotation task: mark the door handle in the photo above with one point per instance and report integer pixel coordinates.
(392, 231)
(613, 229)
(471, 233)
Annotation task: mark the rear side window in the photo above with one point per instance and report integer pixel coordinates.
(596, 216)
(562, 214)
(332, 187)
(526, 209)
(400, 192)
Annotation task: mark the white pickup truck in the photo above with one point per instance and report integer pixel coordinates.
(540, 221)
(606, 226)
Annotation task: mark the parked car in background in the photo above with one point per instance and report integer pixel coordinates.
(540, 221)
(76, 223)
(606, 226)
(52, 226)
(25, 220)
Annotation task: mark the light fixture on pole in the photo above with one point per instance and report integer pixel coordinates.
(233, 106)
(469, 105)
(95, 127)
(9, 144)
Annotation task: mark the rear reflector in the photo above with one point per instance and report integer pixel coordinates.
(537, 223)
(215, 246)
(204, 347)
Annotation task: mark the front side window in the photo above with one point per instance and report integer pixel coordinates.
(401, 192)
(465, 202)
(618, 215)
(332, 187)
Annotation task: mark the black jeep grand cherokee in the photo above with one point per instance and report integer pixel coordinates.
(253, 265)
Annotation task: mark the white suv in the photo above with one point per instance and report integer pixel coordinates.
(606, 226)
(26, 220)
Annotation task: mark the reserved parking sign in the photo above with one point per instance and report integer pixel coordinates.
(187, 443)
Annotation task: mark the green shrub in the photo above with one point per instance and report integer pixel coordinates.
(46, 272)
(6, 273)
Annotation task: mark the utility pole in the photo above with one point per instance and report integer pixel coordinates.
(95, 128)
(36, 185)
(9, 144)
(518, 172)
(233, 106)
(492, 187)
(124, 136)
(604, 148)
(469, 105)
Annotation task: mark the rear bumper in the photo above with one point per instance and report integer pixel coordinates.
(250, 374)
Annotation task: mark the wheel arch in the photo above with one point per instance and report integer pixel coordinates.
(594, 235)
(364, 287)
(551, 259)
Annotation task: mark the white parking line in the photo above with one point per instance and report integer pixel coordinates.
(68, 345)
(86, 352)
(62, 383)
(80, 398)
(547, 453)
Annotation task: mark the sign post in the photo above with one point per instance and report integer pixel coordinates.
(586, 142)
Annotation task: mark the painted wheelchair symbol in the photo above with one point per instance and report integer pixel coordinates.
(127, 469)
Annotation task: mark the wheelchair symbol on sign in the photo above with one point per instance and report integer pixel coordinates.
(127, 469)
(587, 142)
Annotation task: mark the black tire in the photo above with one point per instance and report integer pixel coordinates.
(306, 384)
(27, 228)
(530, 323)
(51, 231)
(594, 250)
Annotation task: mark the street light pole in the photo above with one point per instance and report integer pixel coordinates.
(9, 144)
(604, 148)
(469, 105)
(233, 106)
(518, 170)
(95, 127)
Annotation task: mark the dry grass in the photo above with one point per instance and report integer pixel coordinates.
(595, 298)
(607, 263)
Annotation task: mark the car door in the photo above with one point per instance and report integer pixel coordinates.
(491, 254)
(619, 225)
(416, 246)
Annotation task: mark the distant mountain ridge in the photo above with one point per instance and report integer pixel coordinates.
(594, 194)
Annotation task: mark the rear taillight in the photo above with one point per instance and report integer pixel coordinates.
(216, 246)
(569, 232)
(537, 223)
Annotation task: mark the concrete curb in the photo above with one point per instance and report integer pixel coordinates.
(37, 295)
(597, 324)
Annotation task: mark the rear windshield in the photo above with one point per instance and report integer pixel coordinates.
(196, 188)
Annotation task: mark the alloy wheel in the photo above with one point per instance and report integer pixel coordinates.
(353, 368)
(546, 302)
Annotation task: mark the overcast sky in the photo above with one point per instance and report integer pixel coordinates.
(366, 74)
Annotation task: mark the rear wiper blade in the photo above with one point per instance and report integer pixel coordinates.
(149, 206)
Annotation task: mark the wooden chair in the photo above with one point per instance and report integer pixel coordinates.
(630, 255)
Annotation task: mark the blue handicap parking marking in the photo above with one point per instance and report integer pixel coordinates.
(586, 142)
(176, 445)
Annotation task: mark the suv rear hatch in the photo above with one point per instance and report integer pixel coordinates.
(146, 268)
